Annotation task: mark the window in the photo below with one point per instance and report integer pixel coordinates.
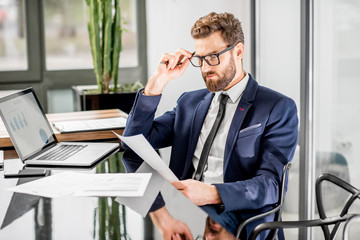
(336, 97)
(67, 40)
(45, 44)
(13, 53)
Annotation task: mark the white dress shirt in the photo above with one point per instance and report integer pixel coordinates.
(213, 172)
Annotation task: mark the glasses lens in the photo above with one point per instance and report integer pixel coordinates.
(212, 60)
(196, 61)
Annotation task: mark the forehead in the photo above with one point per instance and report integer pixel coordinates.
(211, 44)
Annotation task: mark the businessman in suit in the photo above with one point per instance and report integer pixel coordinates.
(229, 141)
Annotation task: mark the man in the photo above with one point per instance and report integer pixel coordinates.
(229, 141)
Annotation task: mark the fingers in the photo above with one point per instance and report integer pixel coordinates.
(176, 236)
(185, 64)
(183, 234)
(172, 60)
(188, 234)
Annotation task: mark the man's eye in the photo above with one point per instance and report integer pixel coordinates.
(211, 58)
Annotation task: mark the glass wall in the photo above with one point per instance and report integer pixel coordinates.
(13, 53)
(336, 96)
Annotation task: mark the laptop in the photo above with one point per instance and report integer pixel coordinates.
(35, 141)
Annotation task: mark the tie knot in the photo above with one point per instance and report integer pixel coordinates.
(223, 98)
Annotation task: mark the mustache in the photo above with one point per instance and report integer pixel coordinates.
(209, 73)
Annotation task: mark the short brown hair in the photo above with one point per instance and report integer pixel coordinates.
(230, 27)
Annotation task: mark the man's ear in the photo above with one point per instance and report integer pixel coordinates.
(239, 50)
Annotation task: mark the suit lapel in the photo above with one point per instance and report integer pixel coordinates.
(197, 122)
(239, 115)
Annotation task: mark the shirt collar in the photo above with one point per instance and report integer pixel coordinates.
(235, 91)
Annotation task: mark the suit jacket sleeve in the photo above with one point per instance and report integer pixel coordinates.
(141, 120)
(157, 132)
(276, 148)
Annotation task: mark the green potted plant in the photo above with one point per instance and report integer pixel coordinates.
(105, 32)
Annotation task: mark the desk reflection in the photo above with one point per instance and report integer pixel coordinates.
(20, 204)
(24, 216)
(214, 231)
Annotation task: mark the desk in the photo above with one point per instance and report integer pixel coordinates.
(32, 217)
(5, 141)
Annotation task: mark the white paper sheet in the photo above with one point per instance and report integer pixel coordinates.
(57, 185)
(91, 124)
(142, 204)
(116, 184)
(65, 183)
(143, 148)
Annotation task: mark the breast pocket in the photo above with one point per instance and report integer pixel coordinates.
(248, 142)
(251, 130)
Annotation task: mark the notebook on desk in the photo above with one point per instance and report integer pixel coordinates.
(35, 141)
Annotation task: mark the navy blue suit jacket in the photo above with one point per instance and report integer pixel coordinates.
(262, 138)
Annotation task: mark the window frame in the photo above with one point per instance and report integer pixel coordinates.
(40, 78)
(32, 74)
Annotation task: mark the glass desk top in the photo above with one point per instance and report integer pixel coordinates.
(24, 216)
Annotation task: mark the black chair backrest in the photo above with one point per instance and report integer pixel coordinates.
(320, 204)
(277, 207)
(324, 221)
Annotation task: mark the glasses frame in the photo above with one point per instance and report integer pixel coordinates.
(203, 58)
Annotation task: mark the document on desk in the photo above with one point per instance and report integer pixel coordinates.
(115, 185)
(90, 124)
(57, 185)
(142, 204)
(143, 148)
(85, 184)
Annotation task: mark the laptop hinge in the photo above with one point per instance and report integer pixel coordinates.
(47, 147)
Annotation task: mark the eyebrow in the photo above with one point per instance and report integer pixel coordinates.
(213, 52)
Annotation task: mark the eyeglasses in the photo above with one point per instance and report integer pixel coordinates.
(211, 59)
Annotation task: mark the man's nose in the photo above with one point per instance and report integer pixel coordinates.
(205, 67)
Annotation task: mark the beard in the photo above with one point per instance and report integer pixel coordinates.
(224, 78)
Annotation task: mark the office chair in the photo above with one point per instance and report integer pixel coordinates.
(330, 162)
(277, 207)
(323, 221)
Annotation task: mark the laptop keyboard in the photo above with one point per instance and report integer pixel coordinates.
(62, 153)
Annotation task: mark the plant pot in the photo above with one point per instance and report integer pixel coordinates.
(98, 101)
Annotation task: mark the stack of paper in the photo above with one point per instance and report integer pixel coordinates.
(90, 125)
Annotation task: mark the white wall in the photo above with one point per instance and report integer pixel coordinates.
(278, 46)
(168, 28)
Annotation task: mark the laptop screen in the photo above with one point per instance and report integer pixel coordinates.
(26, 123)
